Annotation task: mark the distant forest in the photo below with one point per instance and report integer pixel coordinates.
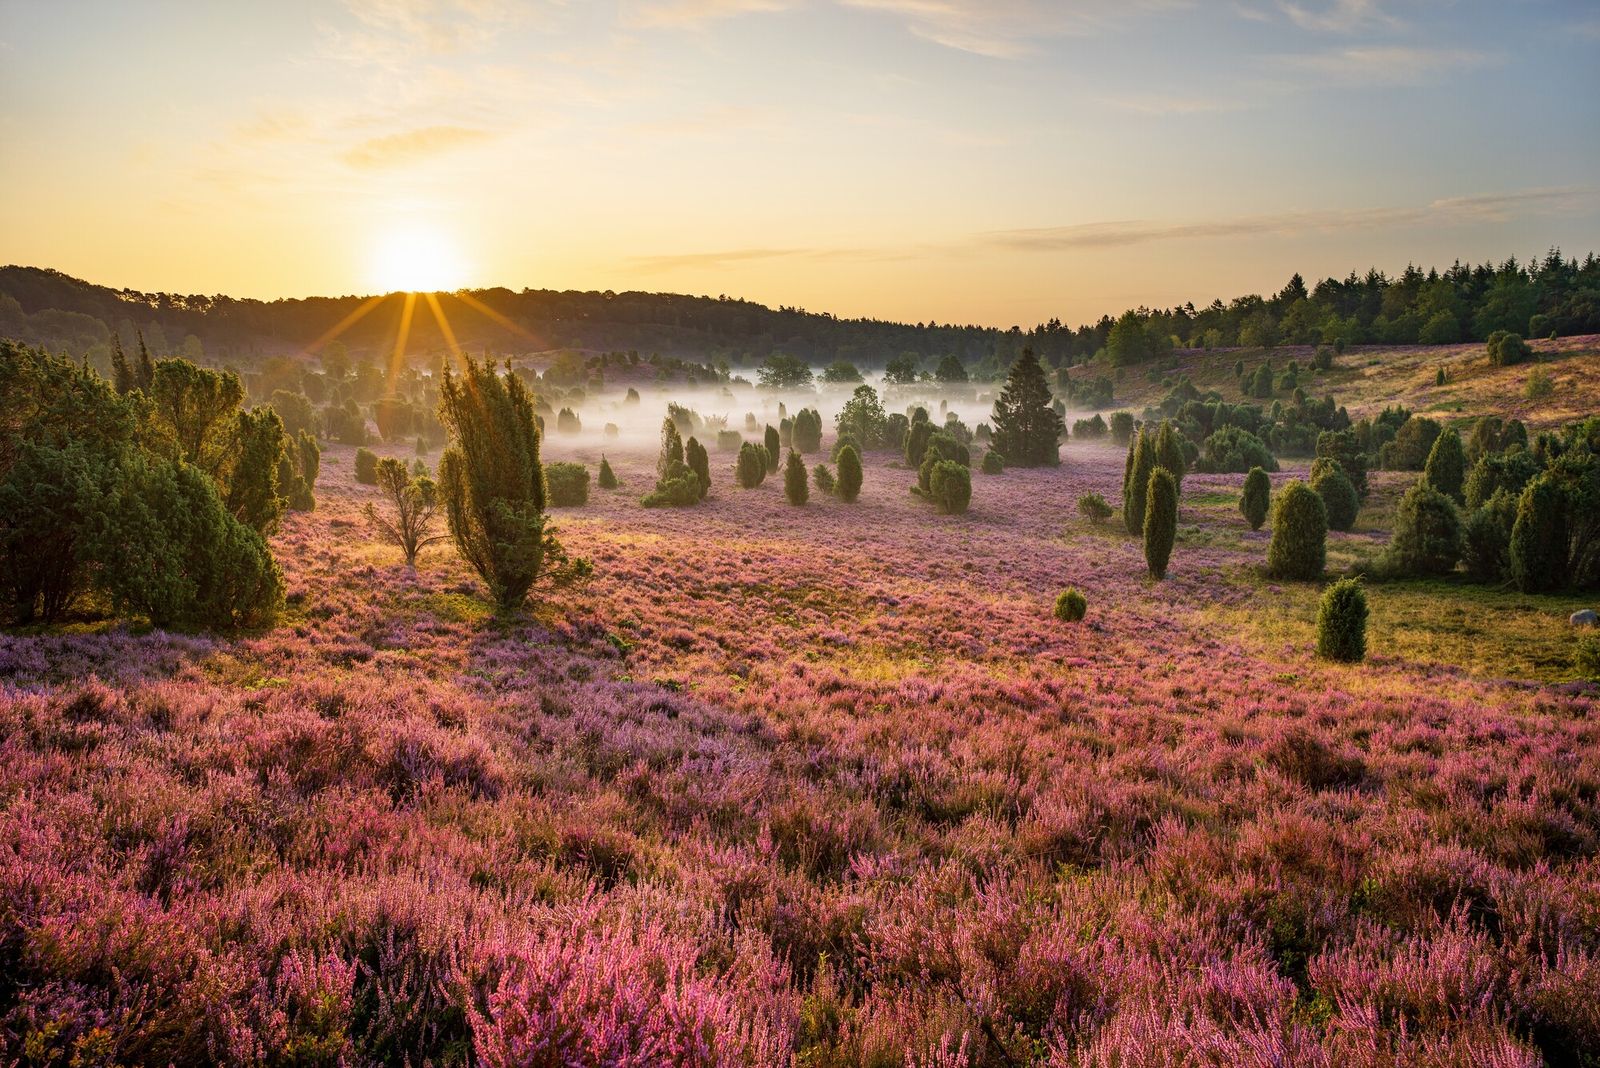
(1554, 296)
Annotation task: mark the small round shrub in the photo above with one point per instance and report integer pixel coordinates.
(950, 487)
(1539, 385)
(1095, 508)
(1427, 533)
(1342, 622)
(1299, 545)
(607, 479)
(1338, 495)
(1256, 500)
(366, 467)
(993, 463)
(750, 469)
(566, 485)
(1070, 606)
(1160, 521)
(1507, 349)
(848, 485)
(796, 487)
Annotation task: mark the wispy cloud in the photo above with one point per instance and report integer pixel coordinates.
(1444, 212)
(1170, 104)
(1379, 66)
(1340, 16)
(411, 146)
(645, 14)
(1004, 29)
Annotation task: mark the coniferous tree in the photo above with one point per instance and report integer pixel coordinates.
(1342, 622)
(1136, 481)
(122, 375)
(1160, 520)
(145, 372)
(1169, 452)
(1539, 537)
(671, 455)
(1256, 500)
(492, 485)
(251, 476)
(795, 484)
(1027, 427)
(847, 487)
(697, 461)
(1446, 467)
(774, 447)
(750, 469)
(1299, 545)
(607, 479)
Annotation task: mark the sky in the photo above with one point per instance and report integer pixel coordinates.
(973, 161)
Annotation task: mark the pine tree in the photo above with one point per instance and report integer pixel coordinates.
(1027, 428)
(121, 373)
(145, 373)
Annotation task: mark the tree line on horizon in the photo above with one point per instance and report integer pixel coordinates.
(1550, 296)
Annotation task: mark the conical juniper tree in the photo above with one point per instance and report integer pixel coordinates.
(1027, 428)
(492, 487)
(1136, 480)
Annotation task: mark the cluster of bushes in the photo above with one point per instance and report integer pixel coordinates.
(683, 471)
(944, 474)
(846, 486)
(154, 502)
(1152, 479)
(1092, 429)
(1524, 513)
(806, 432)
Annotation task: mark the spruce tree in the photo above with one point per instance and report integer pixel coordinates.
(145, 373)
(1027, 428)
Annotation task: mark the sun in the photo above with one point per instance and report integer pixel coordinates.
(416, 260)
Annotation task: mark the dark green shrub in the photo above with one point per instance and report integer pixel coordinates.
(824, 479)
(1169, 452)
(1342, 622)
(1122, 427)
(1507, 349)
(1586, 657)
(567, 422)
(1509, 471)
(1256, 500)
(1539, 537)
(1136, 479)
(1160, 521)
(774, 450)
(1233, 450)
(1071, 606)
(366, 467)
(1427, 533)
(607, 479)
(1026, 426)
(492, 485)
(567, 485)
(298, 470)
(917, 436)
(695, 458)
(1345, 446)
(807, 434)
(950, 487)
(993, 463)
(1411, 445)
(247, 472)
(1298, 549)
(796, 488)
(848, 486)
(1338, 495)
(679, 488)
(1094, 508)
(729, 440)
(750, 469)
(1486, 538)
(1447, 465)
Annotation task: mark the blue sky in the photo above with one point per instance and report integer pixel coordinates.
(999, 162)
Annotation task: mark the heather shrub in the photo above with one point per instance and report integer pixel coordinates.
(774, 450)
(1160, 521)
(1506, 349)
(1094, 508)
(412, 509)
(366, 467)
(1298, 549)
(950, 487)
(796, 488)
(1446, 466)
(1427, 533)
(1256, 499)
(492, 485)
(993, 463)
(1338, 495)
(607, 478)
(567, 484)
(1233, 450)
(750, 468)
(1342, 622)
(1070, 606)
(824, 479)
(849, 481)
(695, 458)
(1539, 537)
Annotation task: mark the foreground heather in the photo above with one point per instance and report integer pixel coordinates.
(820, 785)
